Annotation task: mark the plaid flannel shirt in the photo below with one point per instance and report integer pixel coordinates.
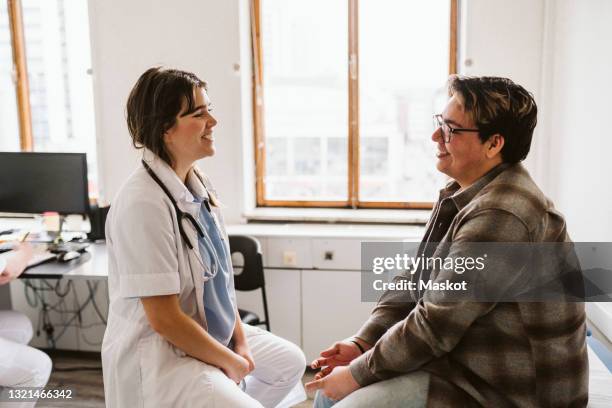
(484, 354)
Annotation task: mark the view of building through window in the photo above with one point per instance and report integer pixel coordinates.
(305, 99)
(58, 61)
(403, 68)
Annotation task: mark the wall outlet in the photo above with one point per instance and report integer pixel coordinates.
(289, 258)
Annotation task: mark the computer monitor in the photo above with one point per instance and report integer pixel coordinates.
(34, 183)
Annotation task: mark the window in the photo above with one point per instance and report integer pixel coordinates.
(46, 95)
(344, 94)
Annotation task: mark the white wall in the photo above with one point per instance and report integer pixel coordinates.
(502, 38)
(505, 38)
(559, 50)
(579, 140)
(196, 35)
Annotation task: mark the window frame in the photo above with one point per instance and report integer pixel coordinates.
(20, 69)
(353, 120)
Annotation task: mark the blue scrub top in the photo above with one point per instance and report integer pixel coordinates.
(219, 295)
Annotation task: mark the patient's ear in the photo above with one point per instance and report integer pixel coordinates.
(495, 144)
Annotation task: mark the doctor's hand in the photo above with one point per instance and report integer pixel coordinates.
(340, 353)
(243, 350)
(236, 368)
(337, 385)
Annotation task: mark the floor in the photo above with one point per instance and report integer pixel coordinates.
(82, 372)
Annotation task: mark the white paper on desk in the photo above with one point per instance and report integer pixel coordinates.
(41, 257)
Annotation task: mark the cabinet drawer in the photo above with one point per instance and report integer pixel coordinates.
(289, 253)
(343, 254)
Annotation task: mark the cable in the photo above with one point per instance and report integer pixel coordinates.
(35, 296)
(38, 297)
(92, 293)
(77, 314)
(80, 326)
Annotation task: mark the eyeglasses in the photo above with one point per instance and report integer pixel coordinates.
(447, 130)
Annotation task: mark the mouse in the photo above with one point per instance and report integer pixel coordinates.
(68, 256)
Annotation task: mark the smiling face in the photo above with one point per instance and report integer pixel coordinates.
(465, 158)
(191, 138)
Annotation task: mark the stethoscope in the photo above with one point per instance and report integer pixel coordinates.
(182, 215)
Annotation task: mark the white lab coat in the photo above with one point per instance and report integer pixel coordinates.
(145, 248)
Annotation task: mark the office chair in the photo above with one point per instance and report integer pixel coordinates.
(252, 276)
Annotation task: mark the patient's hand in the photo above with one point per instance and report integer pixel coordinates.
(16, 262)
(335, 386)
(340, 354)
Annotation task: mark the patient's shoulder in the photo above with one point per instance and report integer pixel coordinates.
(514, 193)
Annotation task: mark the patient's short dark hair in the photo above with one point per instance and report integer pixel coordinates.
(154, 103)
(498, 105)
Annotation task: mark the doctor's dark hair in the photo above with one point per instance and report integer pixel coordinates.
(498, 105)
(154, 103)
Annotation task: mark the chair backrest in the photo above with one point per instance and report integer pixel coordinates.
(252, 276)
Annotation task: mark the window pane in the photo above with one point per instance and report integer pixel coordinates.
(403, 67)
(9, 123)
(61, 96)
(305, 98)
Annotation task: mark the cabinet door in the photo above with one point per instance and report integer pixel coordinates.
(283, 290)
(332, 308)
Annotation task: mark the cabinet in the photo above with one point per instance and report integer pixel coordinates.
(318, 300)
(311, 308)
(331, 308)
(313, 279)
(284, 303)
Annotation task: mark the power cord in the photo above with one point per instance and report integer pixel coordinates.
(35, 297)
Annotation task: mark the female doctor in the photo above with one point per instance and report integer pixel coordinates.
(174, 337)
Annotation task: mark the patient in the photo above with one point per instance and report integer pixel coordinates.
(20, 364)
(430, 353)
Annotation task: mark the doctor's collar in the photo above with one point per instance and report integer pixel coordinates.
(171, 180)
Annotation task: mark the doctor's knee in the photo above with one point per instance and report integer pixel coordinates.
(40, 372)
(295, 362)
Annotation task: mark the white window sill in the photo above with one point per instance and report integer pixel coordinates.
(337, 215)
(316, 231)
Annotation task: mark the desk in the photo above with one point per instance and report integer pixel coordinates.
(71, 306)
(92, 265)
